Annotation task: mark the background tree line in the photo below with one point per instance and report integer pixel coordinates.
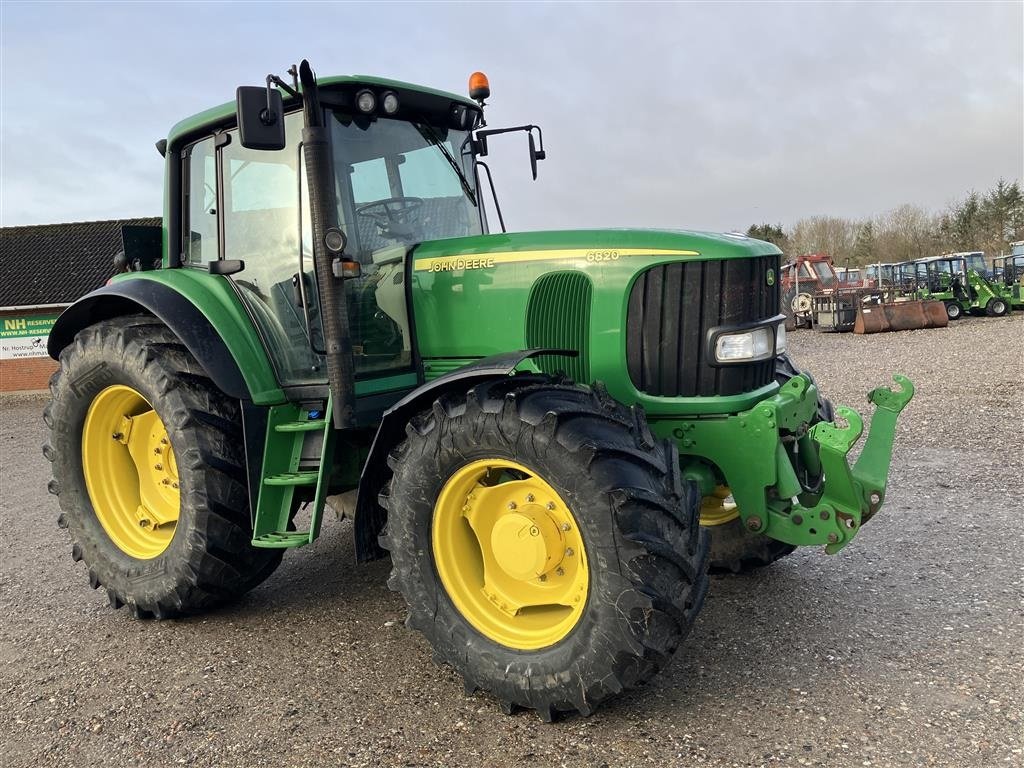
(979, 222)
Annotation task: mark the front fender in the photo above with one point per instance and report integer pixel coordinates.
(370, 516)
(203, 312)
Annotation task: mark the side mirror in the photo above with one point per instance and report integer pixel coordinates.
(260, 113)
(535, 155)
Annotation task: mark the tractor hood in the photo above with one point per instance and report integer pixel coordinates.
(583, 245)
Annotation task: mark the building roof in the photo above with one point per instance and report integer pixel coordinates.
(58, 263)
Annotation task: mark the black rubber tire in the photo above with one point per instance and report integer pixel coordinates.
(640, 527)
(996, 307)
(953, 310)
(210, 559)
(734, 549)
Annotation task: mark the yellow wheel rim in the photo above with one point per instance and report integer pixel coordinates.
(718, 508)
(130, 472)
(510, 554)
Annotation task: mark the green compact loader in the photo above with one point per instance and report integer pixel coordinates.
(553, 435)
(1009, 279)
(963, 289)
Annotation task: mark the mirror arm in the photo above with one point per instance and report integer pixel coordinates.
(494, 192)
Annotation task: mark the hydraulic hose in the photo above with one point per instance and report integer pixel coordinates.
(324, 217)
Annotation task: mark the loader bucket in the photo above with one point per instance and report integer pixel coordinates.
(900, 316)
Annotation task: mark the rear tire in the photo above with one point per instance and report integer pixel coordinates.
(734, 549)
(209, 559)
(645, 554)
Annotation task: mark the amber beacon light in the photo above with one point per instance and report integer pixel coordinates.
(479, 87)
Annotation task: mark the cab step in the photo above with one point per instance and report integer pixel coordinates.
(289, 428)
(282, 540)
(292, 478)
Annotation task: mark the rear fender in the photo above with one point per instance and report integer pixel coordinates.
(207, 318)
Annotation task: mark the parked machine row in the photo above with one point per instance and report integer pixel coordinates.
(901, 296)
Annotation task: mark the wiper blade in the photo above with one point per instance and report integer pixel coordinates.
(428, 133)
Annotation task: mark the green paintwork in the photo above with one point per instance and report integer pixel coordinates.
(216, 299)
(479, 312)
(746, 450)
(288, 427)
(213, 296)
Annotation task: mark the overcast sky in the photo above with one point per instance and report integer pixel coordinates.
(703, 116)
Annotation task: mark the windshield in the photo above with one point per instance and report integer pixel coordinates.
(825, 273)
(401, 183)
(976, 261)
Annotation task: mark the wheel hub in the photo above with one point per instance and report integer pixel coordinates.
(510, 554)
(526, 544)
(131, 472)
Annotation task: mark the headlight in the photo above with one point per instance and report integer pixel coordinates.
(780, 339)
(748, 345)
(390, 102)
(366, 101)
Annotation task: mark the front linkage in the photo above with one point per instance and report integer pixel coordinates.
(769, 495)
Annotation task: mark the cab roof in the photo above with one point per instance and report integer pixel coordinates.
(224, 114)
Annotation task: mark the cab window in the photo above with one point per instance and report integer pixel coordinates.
(199, 245)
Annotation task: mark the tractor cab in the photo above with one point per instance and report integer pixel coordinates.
(976, 260)
(402, 170)
(879, 275)
(802, 279)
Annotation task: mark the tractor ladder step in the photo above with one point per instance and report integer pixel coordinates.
(290, 442)
(281, 540)
(300, 426)
(292, 478)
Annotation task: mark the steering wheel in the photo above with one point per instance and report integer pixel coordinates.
(394, 215)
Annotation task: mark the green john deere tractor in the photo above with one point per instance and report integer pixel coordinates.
(553, 434)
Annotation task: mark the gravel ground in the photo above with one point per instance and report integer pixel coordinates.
(902, 650)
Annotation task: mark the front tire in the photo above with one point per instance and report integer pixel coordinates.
(148, 468)
(953, 310)
(996, 307)
(592, 591)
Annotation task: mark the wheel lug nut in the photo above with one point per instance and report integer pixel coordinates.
(117, 435)
(529, 498)
(157, 451)
(569, 552)
(511, 505)
(163, 441)
(158, 467)
(551, 506)
(565, 526)
(165, 481)
(560, 571)
(543, 577)
(174, 485)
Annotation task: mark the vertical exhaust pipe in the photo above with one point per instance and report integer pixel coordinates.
(324, 218)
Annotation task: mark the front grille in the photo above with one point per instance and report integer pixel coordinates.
(671, 308)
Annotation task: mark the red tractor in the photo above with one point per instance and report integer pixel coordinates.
(802, 279)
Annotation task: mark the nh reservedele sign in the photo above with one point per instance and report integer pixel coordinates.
(24, 336)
